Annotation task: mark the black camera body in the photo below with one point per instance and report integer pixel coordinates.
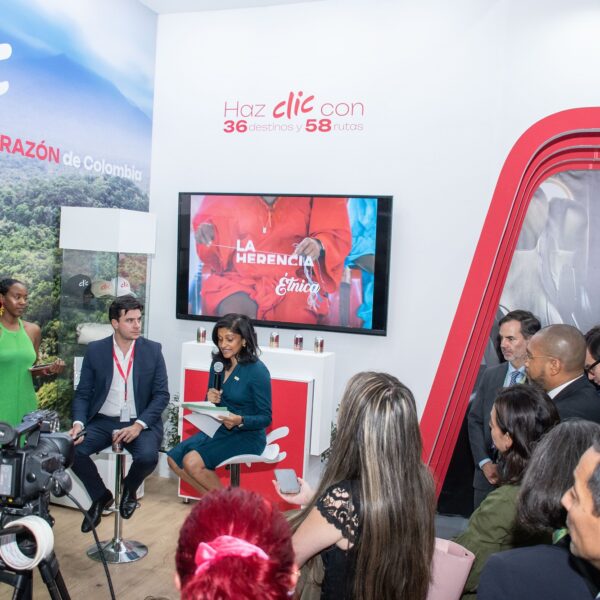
(33, 460)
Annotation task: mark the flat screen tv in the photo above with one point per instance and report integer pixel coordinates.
(294, 261)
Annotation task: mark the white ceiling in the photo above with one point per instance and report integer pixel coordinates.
(177, 6)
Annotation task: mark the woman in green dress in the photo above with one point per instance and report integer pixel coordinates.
(19, 347)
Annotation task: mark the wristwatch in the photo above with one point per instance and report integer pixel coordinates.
(241, 424)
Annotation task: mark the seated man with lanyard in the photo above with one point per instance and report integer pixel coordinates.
(123, 386)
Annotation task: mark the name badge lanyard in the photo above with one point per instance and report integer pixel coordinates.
(125, 377)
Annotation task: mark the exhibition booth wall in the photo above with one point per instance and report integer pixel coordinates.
(76, 96)
(426, 101)
(420, 101)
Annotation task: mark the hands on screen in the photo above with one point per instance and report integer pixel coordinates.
(310, 247)
(205, 234)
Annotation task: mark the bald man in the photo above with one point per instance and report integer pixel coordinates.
(555, 361)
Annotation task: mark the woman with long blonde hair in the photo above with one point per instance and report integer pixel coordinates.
(371, 517)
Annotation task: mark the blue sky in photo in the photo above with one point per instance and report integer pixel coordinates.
(115, 39)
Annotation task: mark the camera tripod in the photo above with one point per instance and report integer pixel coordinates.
(22, 581)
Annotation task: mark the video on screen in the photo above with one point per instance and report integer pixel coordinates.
(320, 262)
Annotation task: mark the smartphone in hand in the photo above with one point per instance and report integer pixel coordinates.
(39, 369)
(287, 481)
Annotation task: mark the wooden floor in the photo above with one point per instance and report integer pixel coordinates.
(155, 523)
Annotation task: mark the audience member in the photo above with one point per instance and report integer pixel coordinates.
(555, 361)
(555, 572)
(592, 355)
(520, 416)
(549, 475)
(371, 518)
(235, 545)
(516, 328)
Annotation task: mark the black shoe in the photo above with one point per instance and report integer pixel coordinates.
(95, 511)
(128, 503)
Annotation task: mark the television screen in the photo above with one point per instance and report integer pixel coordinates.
(301, 262)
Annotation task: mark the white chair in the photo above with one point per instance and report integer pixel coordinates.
(117, 550)
(271, 454)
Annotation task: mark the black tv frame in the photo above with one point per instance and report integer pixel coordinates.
(382, 264)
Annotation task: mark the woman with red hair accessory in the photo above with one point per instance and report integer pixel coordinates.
(235, 545)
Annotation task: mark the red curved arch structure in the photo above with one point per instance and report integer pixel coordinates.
(568, 140)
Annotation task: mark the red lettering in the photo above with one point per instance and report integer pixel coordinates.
(18, 147)
(293, 106)
(277, 108)
(305, 107)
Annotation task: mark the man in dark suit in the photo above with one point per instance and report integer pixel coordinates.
(555, 361)
(533, 573)
(123, 386)
(515, 330)
(555, 572)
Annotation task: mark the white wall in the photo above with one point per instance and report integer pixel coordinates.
(448, 88)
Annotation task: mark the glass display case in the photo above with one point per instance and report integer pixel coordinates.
(90, 281)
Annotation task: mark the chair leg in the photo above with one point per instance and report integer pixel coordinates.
(234, 475)
(118, 550)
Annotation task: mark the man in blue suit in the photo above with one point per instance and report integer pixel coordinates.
(123, 386)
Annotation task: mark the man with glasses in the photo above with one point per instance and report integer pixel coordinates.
(592, 356)
(555, 361)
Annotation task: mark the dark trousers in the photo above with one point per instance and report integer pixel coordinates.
(144, 451)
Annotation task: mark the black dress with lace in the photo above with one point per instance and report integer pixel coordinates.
(340, 506)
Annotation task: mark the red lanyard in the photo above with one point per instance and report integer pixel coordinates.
(118, 363)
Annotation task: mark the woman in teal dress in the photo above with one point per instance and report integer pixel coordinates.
(19, 347)
(245, 391)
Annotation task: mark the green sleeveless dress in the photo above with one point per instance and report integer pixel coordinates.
(17, 395)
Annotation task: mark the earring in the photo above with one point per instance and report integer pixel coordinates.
(1, 310)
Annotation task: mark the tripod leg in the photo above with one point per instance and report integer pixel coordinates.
(23, 585)
(52, 577)
(62, 588)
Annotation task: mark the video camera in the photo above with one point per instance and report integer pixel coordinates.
(34, 457)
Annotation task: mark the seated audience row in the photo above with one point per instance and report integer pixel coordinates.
(555, 358)
(370, 519)
(520, 416)
(569, 569)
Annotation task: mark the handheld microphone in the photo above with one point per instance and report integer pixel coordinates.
(218, 369)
